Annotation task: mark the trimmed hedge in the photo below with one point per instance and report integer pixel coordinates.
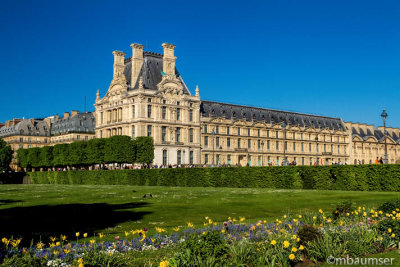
(344, 177)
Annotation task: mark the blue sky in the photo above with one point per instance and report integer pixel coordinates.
(332, 58)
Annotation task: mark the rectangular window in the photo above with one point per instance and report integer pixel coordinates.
(191, 135)
(191, 157)
(248, 132)
(133, 111)
(268, 133)
(86, 138)
(205, 141)
(178, 114)
(163, 134)
(149, 100)
(249, 144)
(286, 146)
(78, 137)
(277, 161)
(277, 146)
(276, 134)
(238, 131)
(148, 111)
(258, 132)
(101, 117)
(164, 157)
(206, 158)
(190, 115)
(268, 145)
(259, 144)
(309, 147)
(324, 147)
(218, 158)
(239, 142)
(301, 137)
(302, 161)
(227, 130)
(217, 142)
(317, 146)
(294, 135)
(205, 128)
(332, 148)
(178, 134)
(338, 149)
(101, 134)
(228, 142)
(179, 157)
(259, 161)
(217, 129)
(294, 146)
(133, 131)
(229, 159)
(164, 112)
(149, 128)
(302, 147)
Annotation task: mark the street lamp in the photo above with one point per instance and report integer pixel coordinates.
(262, 153)
(213, 135)
(316, 150)
(284, 143)
(384, 116)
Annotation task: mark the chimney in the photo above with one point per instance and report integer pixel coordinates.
(74, 112)
(137, 62)
(118, 64)
(66, 115)
(169, 59)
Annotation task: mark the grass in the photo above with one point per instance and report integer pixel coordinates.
(34, 211)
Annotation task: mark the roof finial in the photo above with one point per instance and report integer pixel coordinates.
(97, 96)
(197, 91)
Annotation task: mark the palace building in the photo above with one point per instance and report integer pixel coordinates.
(147, 96)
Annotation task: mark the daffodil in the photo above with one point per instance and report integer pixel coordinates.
(301, 247)
(190, 225)
(393, 235)
(273, 242)
(63, 237)
(176, 229)
(77, 234)
(85, 235)
(294, 249)
(101, 235)
(292, 256)
(390, 230)
(286, 244)
(164, 263)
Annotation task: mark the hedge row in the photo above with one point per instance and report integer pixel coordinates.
(350, 177)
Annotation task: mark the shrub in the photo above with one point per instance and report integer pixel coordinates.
(342, 208)
(308, 233)
(390, 206)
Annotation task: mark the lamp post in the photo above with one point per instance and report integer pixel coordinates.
(284, 143)
(262, 153)
(316, 150)
(213, 135)
(384, 116)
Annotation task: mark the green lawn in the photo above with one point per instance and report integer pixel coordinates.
(42, 210)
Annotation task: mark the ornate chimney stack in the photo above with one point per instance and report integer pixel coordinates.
(197, 91)
(169, 59)
(137, 62)
(118, 64)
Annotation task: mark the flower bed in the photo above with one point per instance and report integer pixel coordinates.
(285, 241)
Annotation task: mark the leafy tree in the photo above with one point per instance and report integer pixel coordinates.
(34, 157)
(95, 150)
(5, 155)
(60, 155)
(46, 156)
(22, 157)
(77, 153)
(119, 149)
(144, 147)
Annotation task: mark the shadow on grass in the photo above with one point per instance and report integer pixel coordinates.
(8, 201)
(43, 221)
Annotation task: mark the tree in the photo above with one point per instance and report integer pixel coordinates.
(144, 148)
(5, 155)
(95, 151)
(34, 157)
(77, 153)
(22, 157)
(60, 155)
(119, 149)
(46, 156)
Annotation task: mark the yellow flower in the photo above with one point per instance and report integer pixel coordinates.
(55, 252)
(207, 218)
(77, 234)
(223, 230)
(393, 235)
(160, 230)
(101, 235)
(53, 239)
(80, 261)
(286, 244)
(320, 211)
(176, 229)
(85, 235)
(66, 251)
(301, 247)
(5, 241)
(273, 242)
(58, 243)
(284, 216)
(242, 219)
(265, 221)
(92, 241)
(164, 263)
(63, 237)
(39, 245)
(190, 225)
(300, 216)
(390, 230)
(294, 249)
(15, 243)
(314, 218)
(298, 239)
(292, 256)
(294, 237)
(364, 214)
(347, 214)
(52, 245)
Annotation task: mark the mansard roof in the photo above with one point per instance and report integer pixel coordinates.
(150, 72)
(79, 123)
(229, 111)
(32, 127)
(376, 133)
